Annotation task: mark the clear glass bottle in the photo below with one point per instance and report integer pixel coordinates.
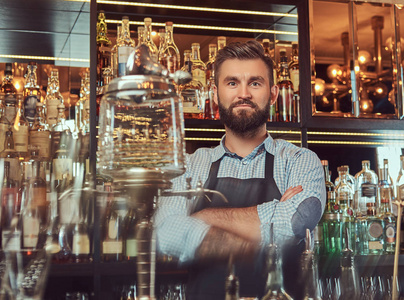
(140, 35)
(125, 46)
(60, 133)
(210, 106)
(103, 47)
(389, 179)
(198, 66)
(81, 244)
(350, 179)
(53, 98)
(385, 212)
(11, 156)
(130, 235)
(375, 231)
(221, 42)
(285, 98)
(153, 50)
(365, 187)
(39, 135)
(344, 197)
(170, 55)
(162, 40)
(114, 52)
(7, 89)
(80, 112)
(20, 131)
(32, 94)
(266, 44)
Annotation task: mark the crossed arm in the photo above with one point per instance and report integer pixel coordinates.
(233, 231)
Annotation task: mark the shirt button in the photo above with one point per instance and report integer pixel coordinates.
(244, 162)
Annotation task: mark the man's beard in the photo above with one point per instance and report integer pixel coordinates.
(244, 123)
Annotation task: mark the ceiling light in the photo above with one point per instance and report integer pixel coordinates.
(44, 58)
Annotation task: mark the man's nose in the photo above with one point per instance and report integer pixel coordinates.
(245, 91)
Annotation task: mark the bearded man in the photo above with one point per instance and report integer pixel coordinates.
(266, 182)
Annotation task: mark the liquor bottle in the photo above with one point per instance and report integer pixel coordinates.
(350, 179)
(232, 283)
(285, 98)
(153, 50)
(332, 231)
(191, 92)
(125, 46)
(107, 77)
(80, 112)
(400, 197)
(114, 52)
(11, 156)
(162, 40)
(113, 241)
(365, 187)
(81, 244)
(60, 133)
(389, 179)
(32, 94)
(329, 187)
(53, 98)
(130, 235)
(309, 275)
(210, 106)
(10, 234)
(221, 42)
(198, 66)
(170, 55)
(20, 130)
(294, 77)
(344, 197)
(349, 280)
(385, 212)
(7, 89)
(375, 231)
(103, 47)
(141, 33)
(274, 107)
(39, 135)
(274, 285)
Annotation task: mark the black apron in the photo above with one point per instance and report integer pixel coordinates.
(208, 281)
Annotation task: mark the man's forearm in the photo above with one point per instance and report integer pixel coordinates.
(219, 245)
(243, 222)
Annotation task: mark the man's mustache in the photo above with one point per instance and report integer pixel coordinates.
(241, 102)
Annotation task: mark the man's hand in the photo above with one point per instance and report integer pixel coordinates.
(290, 192)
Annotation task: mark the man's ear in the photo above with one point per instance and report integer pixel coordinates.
(215, 95)
(274, 94)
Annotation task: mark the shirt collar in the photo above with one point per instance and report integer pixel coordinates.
(221, 150)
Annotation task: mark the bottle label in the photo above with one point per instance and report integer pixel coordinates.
(30, 229)
(368, 190)
(294, 77)
(63, 168)
(69, 210)
(30, 108)
(375, 245)
(390, 233)
(112, 247)
(199, 75)
(41, 141)
(123, 55)
(52, 111)
(21, 139)
(81, 244)
(113, 229)
(11, 240)
(375, 230)
(131, 247)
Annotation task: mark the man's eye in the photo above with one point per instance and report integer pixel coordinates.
(231, 83)
(255, 83)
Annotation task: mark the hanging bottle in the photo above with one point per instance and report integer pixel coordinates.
(386, 211)
(32, 94)
(39, 135)
(125, 46)
(285, 98)
(349, 280)
(20, 131)
(170, 57)
(274, 287)
(103, 47)
(148, 41)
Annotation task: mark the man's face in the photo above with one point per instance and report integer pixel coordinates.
(244, 95)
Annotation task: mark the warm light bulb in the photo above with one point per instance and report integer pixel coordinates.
(333, 71)
(153, 33)
(319, 86)
(364, 57)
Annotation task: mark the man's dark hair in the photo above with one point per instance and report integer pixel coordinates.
(243, 51)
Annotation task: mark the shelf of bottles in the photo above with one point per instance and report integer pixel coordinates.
(198, 95)
(365, 81)
(366, 204)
